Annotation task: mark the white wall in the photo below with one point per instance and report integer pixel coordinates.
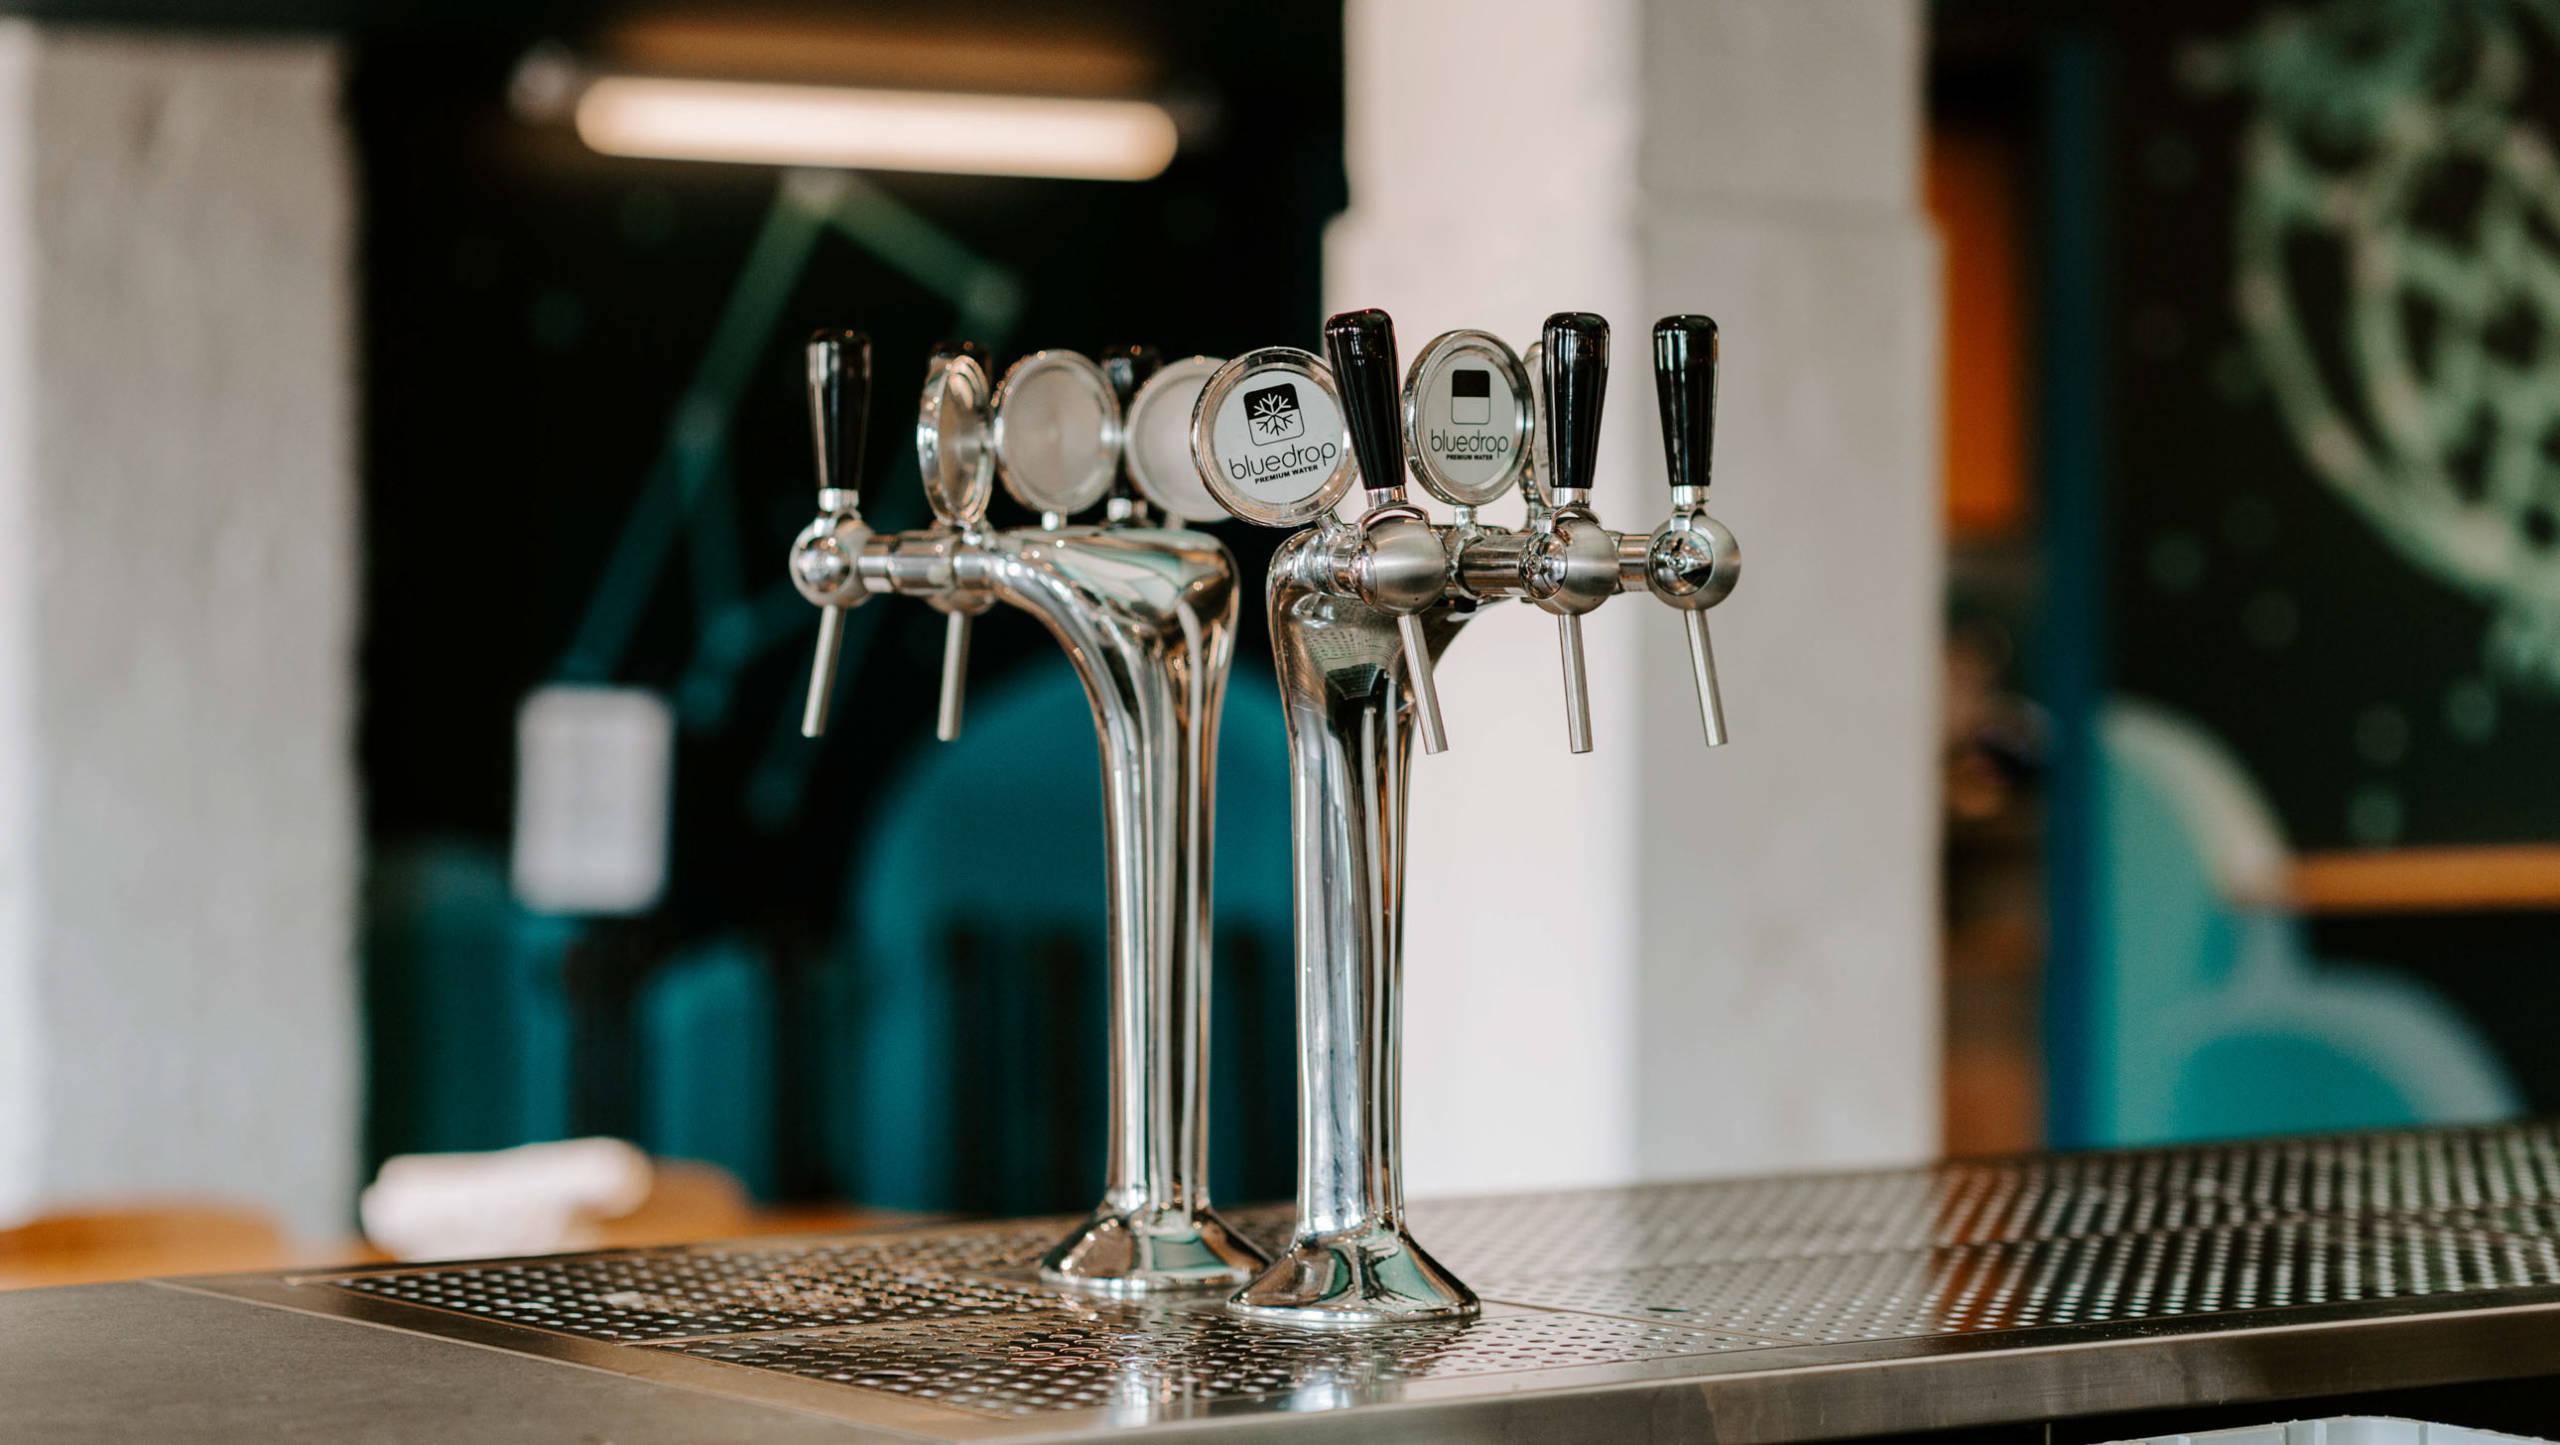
(1654, 961)
(177, 626)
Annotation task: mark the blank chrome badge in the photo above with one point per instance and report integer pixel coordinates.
(1057, 432)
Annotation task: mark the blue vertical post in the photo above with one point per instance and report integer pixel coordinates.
(2078, 1032)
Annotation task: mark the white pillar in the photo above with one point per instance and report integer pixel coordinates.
(178, 835)
(1655, 961)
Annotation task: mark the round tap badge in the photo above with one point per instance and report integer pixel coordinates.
(951, 440)
(1057, 431)
(1268, 437)
(1160, 440)
(1466, 418)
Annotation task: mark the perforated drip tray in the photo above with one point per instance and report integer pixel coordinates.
(2285, 1266)
(680, 1294)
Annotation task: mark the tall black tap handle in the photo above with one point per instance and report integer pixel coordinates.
(1576, 366)
(1684, 379)
(1127, 368)
(1361, 346)
(839, 408)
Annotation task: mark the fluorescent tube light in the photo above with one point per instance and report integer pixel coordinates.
(889, 130)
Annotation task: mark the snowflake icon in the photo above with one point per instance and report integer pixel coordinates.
(1273, 414)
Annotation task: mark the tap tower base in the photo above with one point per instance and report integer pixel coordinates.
(1368, 1277)
(1150, 1251)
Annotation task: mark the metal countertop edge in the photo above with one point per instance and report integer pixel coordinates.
(1773, 1396)
(2034, 1375)
(886, 1416)
(1792, 1394)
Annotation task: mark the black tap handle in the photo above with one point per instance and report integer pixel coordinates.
(1361, 347)
(1127, 368)
(839, 407)
(1576, 381)
(1684, 379)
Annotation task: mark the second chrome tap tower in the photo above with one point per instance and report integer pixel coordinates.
(1360, 610)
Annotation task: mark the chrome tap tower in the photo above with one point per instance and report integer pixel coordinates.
(1147, 615)
(1359, 611)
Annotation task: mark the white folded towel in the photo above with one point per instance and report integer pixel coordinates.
(532, 1199)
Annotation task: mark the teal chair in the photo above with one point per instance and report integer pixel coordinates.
(705, 1023)
(2215, 1018)
(468, 1022)
(473, 1030)
(962, 1021)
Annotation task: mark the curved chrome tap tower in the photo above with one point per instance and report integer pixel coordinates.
(1147, 616)
(1352, 720)
(1359, 612)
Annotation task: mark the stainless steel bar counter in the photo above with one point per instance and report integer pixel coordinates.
(2004, 1292)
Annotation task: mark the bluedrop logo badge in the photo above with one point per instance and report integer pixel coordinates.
(1272, 413)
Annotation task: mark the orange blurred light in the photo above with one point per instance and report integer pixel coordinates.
(1976, 196)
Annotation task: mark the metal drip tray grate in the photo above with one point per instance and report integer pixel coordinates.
(2022, 1284)
(1622, 1286)
(1150, 1363)
(677, 1294)
(2514, 1172)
